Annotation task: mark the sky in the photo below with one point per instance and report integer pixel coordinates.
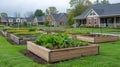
(24, 6)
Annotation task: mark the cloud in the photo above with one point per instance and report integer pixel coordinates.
(23, 6)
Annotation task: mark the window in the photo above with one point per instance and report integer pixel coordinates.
(95, 21)
(89, 21)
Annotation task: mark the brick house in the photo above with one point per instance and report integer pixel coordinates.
(58, 19)
(54, 19)
(100, 15)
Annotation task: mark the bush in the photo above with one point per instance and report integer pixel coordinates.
(46, 23)
(56, 41)
(32, 29)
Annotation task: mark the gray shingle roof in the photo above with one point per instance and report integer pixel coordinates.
(58, 16)
(40, 19)
(102, 10)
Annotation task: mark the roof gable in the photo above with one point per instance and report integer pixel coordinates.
(103, 10)
(91, 13)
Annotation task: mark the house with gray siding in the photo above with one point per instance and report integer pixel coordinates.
(14, 20)
(100, 15)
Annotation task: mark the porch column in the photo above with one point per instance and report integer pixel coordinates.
(99, 22)
(115, 22)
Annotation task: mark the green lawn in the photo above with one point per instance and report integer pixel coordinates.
(10, 56)
(100, 30)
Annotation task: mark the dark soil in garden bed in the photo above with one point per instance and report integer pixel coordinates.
(34, 57)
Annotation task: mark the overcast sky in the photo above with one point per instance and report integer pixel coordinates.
(23, 6)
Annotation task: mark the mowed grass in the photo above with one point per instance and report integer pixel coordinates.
(10, 56)
(109, 56)
(100, 30)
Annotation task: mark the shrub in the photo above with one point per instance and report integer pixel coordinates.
(32, 29)
(46, 23)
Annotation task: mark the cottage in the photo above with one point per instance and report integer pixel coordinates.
(39, 20)
(14, 20)
(54, 19)
(100, 15)
(58, 19)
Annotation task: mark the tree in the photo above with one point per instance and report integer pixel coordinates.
(83, 2)
(79, 9)
(3, 14)
(97, 2)
(47, 12)
(102, 2)
(38, 12)
(51, 10)
(105, 2)
(79, 6)
(70, 20)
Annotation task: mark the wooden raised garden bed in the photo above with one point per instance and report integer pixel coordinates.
(97, 39)
(4, 33)
(20, 40)
(62, 54)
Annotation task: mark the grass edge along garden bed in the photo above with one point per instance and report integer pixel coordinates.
(104, 38)
(62, 54)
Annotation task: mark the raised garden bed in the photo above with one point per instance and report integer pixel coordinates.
(54, 47)
(62, 54)
(21, 40)
(95, 38)
(4, 33)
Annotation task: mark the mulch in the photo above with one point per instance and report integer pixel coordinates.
(34, 57)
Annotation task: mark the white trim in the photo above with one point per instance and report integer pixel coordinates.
(90, 12)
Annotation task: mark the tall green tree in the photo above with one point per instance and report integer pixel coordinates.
(47, 12)
(83, 2)
(70, 19)
(105, 2)
(3, 14)
(79, 6)
(97, 2)
(51, 10)
(38, 12)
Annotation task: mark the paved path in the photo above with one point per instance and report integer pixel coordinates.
(114, 34)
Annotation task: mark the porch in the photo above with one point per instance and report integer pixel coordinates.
(110, 22)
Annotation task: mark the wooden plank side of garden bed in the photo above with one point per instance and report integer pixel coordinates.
(105, 39)
(58, 55)
(85, 38)
(4, 33)
(15, 38)
(38, 50)
(62, 54)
